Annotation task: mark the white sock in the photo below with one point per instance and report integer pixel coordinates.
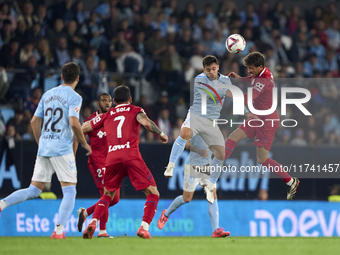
(102, 232)
(59, 229)
(145, 225)
(85, 213)
(3, 205)
(94, 220)
(290, 182)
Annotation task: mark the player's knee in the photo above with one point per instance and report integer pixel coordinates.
(155, 192)
(233, 137)
(187, 199)
(219, 154)
(33, 192)
(185, 133)
(261, 159)
(151, 190)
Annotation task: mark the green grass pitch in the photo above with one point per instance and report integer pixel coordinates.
(170, 245)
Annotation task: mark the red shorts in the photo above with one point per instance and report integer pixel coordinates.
(264, 135)
(97, 172)
(139, 174)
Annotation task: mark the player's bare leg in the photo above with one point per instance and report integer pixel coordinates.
(178, 201)
(292, 182)
(101, 207)
(177, 149)
(215, 170)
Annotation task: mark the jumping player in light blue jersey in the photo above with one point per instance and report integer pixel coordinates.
(199, 158)
(209, 96)
(54, 124)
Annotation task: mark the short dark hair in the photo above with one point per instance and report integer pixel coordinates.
(102, 94)
(121, 94)
(255, 58)
(70, 72)
(208, 60)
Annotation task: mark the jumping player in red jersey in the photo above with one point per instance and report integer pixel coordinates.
(122, 125)
(262, 82)
(96, 164)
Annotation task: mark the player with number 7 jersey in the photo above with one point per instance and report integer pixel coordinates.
(122, 125)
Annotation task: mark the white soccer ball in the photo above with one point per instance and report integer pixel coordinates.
(235, 43)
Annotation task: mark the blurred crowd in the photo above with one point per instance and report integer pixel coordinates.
(159, 47)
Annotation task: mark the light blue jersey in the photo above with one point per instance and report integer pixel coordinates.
(194, 158)
(203, 85)
(55, 107)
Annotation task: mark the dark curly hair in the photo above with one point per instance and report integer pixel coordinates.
(255, 58)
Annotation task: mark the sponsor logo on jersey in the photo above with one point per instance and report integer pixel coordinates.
(119, 147)
(101, 134)
(96, 120)
(77, 109)
(258, 86)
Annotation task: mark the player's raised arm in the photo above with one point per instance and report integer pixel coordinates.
(151, 126)
(77, 130)
(36, 124)
(234, 75)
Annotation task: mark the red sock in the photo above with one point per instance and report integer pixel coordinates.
(105, 217)
(277, 169)
(90, 210)
(150, 207)
(229, 147)
(101, 207)
(103, 220)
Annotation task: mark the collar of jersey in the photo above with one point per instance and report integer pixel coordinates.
(121, 105)
(264, 69)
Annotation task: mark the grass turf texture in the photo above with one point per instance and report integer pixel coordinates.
(170, 245)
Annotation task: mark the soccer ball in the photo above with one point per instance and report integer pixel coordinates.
(235, 43)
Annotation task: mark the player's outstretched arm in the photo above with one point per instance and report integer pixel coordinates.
(151, 126)
(86, 127)
(36, 124)
(77, 130)
(234, 75)
(190, 147)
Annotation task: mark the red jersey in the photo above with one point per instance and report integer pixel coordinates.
(263, 86)
(122, 132)
(98, 144)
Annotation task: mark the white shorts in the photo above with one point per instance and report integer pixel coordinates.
(63, 166)
(205, 128)
(190, 181)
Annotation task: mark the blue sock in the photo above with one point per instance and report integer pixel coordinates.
(22, 195)
(67, 204)
(214, 215)
(178, 201)
(177, 149)
(214, 175)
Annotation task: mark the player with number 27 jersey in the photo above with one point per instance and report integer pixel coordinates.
(98, 143)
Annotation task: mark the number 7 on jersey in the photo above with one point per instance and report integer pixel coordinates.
(120, 124)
